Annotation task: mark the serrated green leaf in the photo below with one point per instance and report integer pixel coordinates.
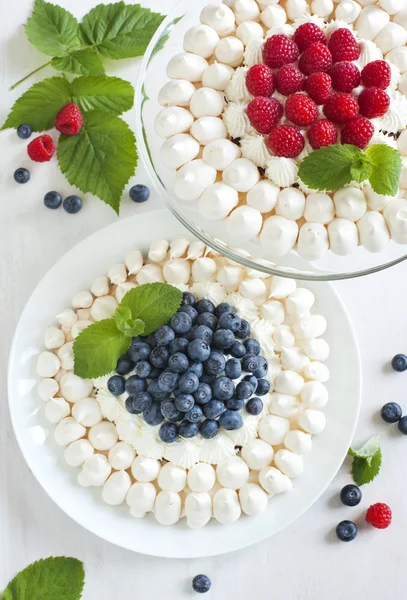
(364, 470)
(329, 168)
(119, 30)
(40, 104)
(136, 328)
(52, 29)
(101, 158)
(80, 62)
(368, 449)
(385, 176)
(153, 303)
(361, 168)
(59, 578)
(97, 348)
(110, 94)
(125, 322)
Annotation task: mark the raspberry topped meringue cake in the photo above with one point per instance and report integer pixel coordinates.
(286, 120)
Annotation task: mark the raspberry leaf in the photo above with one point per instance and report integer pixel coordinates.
(329, 168)
(119, 30)
(101, 158)
(364, 470)
(80, 62)
(52, 29)
(385, 175)
(110, 94)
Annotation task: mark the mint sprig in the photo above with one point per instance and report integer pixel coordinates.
(332, 167)
(143, 309)
(367, 461)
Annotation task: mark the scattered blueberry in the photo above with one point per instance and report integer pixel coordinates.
(143, 369)
(124, 365)
(223, 388)
(262, 387)
(229, 320)
(142, 401)
(181, 322)
(234, 404)
(201, 584)
(230, 420)
(139, 193)
(213, 409)
(244, 329)
(237, 350)
(24, 131)
(22, 175)
(233, 368)
(215, 363)
(179, 345)
(204, 333)
(188, 299)
(351, 495)
(252, 346)
(72, 204)
(164, 335)
(198, 350)
(204, 305)
(223, 338)
(399, 363)
(346, 531)
(208, 319)
(152, 415)
(116, 385)
(184, 402)
(188, 429)
(133, 385)
(168, 381)
(53, 200)
(223, 307)
(158, 357)
(203, 394)
(254, 406)
(209, 429)
(168, 433)
(391, 412)
(189, 310)
(194, 414)
(188, 382)
(402, 425)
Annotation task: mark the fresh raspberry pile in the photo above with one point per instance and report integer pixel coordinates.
(313, 71)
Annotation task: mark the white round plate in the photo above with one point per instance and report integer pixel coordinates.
(76, 271)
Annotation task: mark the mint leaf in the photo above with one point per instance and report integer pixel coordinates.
(329, 168)
(385, 175)
(364, 470)
(40, 104)
(368, 449)
(97, 348)
(361, 168)
(101, 158)
(119, 30)
(110, 94)
(59, 578)
(126, 324)
(52, 29)
(153, 303)
(80, 62)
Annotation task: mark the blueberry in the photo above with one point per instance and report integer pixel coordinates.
(188, 429)
(154, 389)
(351, 495)
(188, 299)
(152, 415)
(169, 410)
(208, 378)
(142, 400)
(234, 404)
(237, 350)
(155, 373)
(168, 381)
(213, 409)
(164, 335)
(346, 531)
(22, 175)
(194, 414)
(402, 425)
(184, 402)
(262, 367)
(244, 390)
(124, 365)
(168, 433)
(179, 345)
(252, 346)
(230, 420)
(139, 193)
(134, 384)
(230, 321)
(254, 382)
(391, 412)
(249, 362)
(116, 385)
(208, 319)
(159, 356)
(197, 368)
(24, 132)
(198, 350)
(215, 363)
(204, 333)
(181, 322)
(72, 204)
(263, 387)
(130, 406)
(254, 406)
(223, 338)
(201, 584)
(139, 351)
(208, 429)
(188, 382)
(203, 394)
(203, 306)
(178, 362)
(244, 329)
(223, 388)
(150, 340)
(399, 363)
(52, 199)
(233, 368)
(143, 369)
(223, 307)
(189, 310)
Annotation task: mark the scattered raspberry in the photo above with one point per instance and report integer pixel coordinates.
(373, 103)
(289, 80)
(319, 87)
(279, 50)
(316, 58)
(41, 149)
(345, 76)
(379, 515)
(264, 113)
(301, 110)
(69, 119)
(377, 74)
(343, 45)
(341, 108)
(286, 141)
(322, 133)
(260, 81)
(358, 132)
(308, 34)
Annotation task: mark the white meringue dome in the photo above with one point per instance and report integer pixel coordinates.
(217, 76)
(263, 196)
(172, 478)
(208, 129)
(206, 102)
(290, 204)
(244, 223)
(289, 463)
(395, 214)
(273, 428)
(257, 454)
(226, 506)
(201, 40)
(57, 409)
(177, 92)
(230, 51)
(179, 150)
(249, 31)
(173, 120)
(253, 499)
(141, 498)
(232, 472)
(220, 18)
(201, 478)
(167, 508)
(116, 487)
(193, 178)
(343, 236)
(187, 66)
(312, 241)
(350, 203)
(217, 201)
(371, 21)
(278, 235)
(274, 481)
(241, 174)
(298, 442)
(220, 153)
(373, 232)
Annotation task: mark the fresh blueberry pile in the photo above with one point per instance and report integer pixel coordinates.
(195, 374)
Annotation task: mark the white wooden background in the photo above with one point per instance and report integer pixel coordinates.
(304, 562)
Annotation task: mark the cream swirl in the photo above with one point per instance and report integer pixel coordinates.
(282, 171)
(236, 90)
(396, 116)
(254, 148)
(253, 54)
(368, 53)
(236, 120)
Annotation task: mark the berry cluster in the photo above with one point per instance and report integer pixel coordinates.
(189, 374)
(325, 76)
(379, 515)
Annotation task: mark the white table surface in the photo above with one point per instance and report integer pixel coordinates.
(304, 562)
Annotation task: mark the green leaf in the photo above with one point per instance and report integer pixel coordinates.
(80, 62)
(119, 30)
(97, 348)
(101, 158)
(329, 168)
(137, 328)
(110, 94)
(153, 303)
(387, 164)
(125, 322)
(52, 29)
(361, 168)
(368, 449)
(40, 104)
(57, 578)
(364, 470)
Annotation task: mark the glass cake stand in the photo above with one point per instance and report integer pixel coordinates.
(168, 41)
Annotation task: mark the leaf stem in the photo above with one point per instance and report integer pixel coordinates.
(29, 75)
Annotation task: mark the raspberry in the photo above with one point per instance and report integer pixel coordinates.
(377, 74)
(341, 108)
(319, 87)
(373, 103)
(322, 133)
(307, 34)
(41, 149)
(345, 76)
(286, 141)
(343, 45)
(260, 80)
(315, 58)
(379, 515)
(69, 119)
(289, 80)
(264, 113)
(301, 110)
(279, 50)
(358, 132)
